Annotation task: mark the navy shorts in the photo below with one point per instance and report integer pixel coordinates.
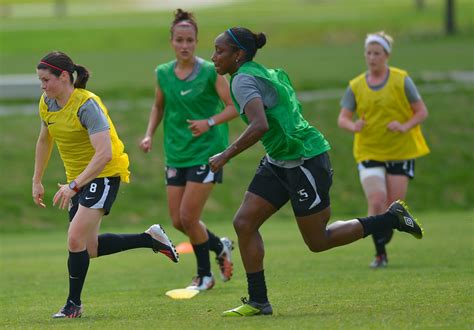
(400, 167)
(178, 176)
(100, 193)
(306, 186)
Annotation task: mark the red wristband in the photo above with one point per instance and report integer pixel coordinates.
(73, 186)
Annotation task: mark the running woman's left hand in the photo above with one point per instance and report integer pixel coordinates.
(63, 196)
(38, 194)
(198, 127)
(217, 162)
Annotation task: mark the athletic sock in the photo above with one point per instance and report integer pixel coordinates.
(113, 243)
(202, 257)
(77, 264)
(257, 288)
(388, 235)
(378, 223)
(379, 242)
(381, 239)
(215, 243)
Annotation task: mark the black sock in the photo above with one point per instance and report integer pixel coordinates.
(202, 256)
(379, 242)
(215, 243)
(381, 239)
(378, 223)
(77, 264)
(113, 243)
(257, 288)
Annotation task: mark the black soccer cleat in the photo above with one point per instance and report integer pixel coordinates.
(406, 222)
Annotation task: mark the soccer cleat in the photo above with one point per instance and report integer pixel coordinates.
(202, 283)
(70, 310)
(406, 222)
(250, 308)
(161, 242)
(224, 259)
(380, 261)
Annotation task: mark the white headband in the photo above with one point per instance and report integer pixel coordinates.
(378, 39)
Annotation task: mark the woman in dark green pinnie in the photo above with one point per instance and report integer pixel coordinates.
(194, 103)
(296, 166)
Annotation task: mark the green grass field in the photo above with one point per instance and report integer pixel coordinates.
(428, 283)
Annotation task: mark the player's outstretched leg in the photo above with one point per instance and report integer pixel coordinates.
(161, 242)
(250, 308)
(406, 222)
(70, 310)
(224, 259)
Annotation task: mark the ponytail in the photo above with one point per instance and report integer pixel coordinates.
(82, 76)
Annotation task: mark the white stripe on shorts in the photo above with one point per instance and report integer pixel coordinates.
(311, 180)
(209, 177)
(100, 203)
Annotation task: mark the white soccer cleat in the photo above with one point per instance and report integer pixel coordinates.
(224, 259)
(161, 242)
(202, 283)
(70, 311)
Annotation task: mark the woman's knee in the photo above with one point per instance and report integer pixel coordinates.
(178, 225)
(317, 243)
(314, 230)
(186, 222)
(75, 242)
(243, 226)
(317, 246)
(377, 199)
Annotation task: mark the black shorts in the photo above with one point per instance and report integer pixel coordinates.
(306, 186)
(178, 176)
(400, 167)
(100, 193)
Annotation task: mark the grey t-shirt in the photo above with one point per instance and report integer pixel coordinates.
(246, 87)
(196, 69)
(90, 115)
(348, 100)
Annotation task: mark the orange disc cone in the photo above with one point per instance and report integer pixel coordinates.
(184, 247)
